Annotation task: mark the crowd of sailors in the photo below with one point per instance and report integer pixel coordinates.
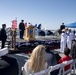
(67, 36)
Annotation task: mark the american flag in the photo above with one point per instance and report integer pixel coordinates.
(14, 24)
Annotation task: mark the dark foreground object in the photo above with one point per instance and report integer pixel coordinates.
(8, 66)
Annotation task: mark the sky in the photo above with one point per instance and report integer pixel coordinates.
(49, 13)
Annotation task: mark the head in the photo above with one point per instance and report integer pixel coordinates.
(4, 26)
(62, 23)
(63, 31)
(22, 21)
(62, 26)
(66, 51)
(37, 59)
(66, 29)
(69, 30)
(47, 49)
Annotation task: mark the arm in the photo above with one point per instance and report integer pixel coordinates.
(20, 26)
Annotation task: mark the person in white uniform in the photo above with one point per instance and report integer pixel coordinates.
(73, 35)
(69, 39)
(63, 41)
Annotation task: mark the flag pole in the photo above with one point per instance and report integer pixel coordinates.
(14, 27)
(15, 36)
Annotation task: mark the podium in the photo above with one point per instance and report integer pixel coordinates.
(29, 33)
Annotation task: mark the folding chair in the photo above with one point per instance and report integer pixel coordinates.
(74, 64)
(69, 70)
(43, 72)
(57, 67)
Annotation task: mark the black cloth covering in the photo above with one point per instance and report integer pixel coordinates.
(8, 66)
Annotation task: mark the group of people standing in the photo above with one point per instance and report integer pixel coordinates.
(3, 34)
(67, 36)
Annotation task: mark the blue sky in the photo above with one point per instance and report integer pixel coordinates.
(50, 13)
